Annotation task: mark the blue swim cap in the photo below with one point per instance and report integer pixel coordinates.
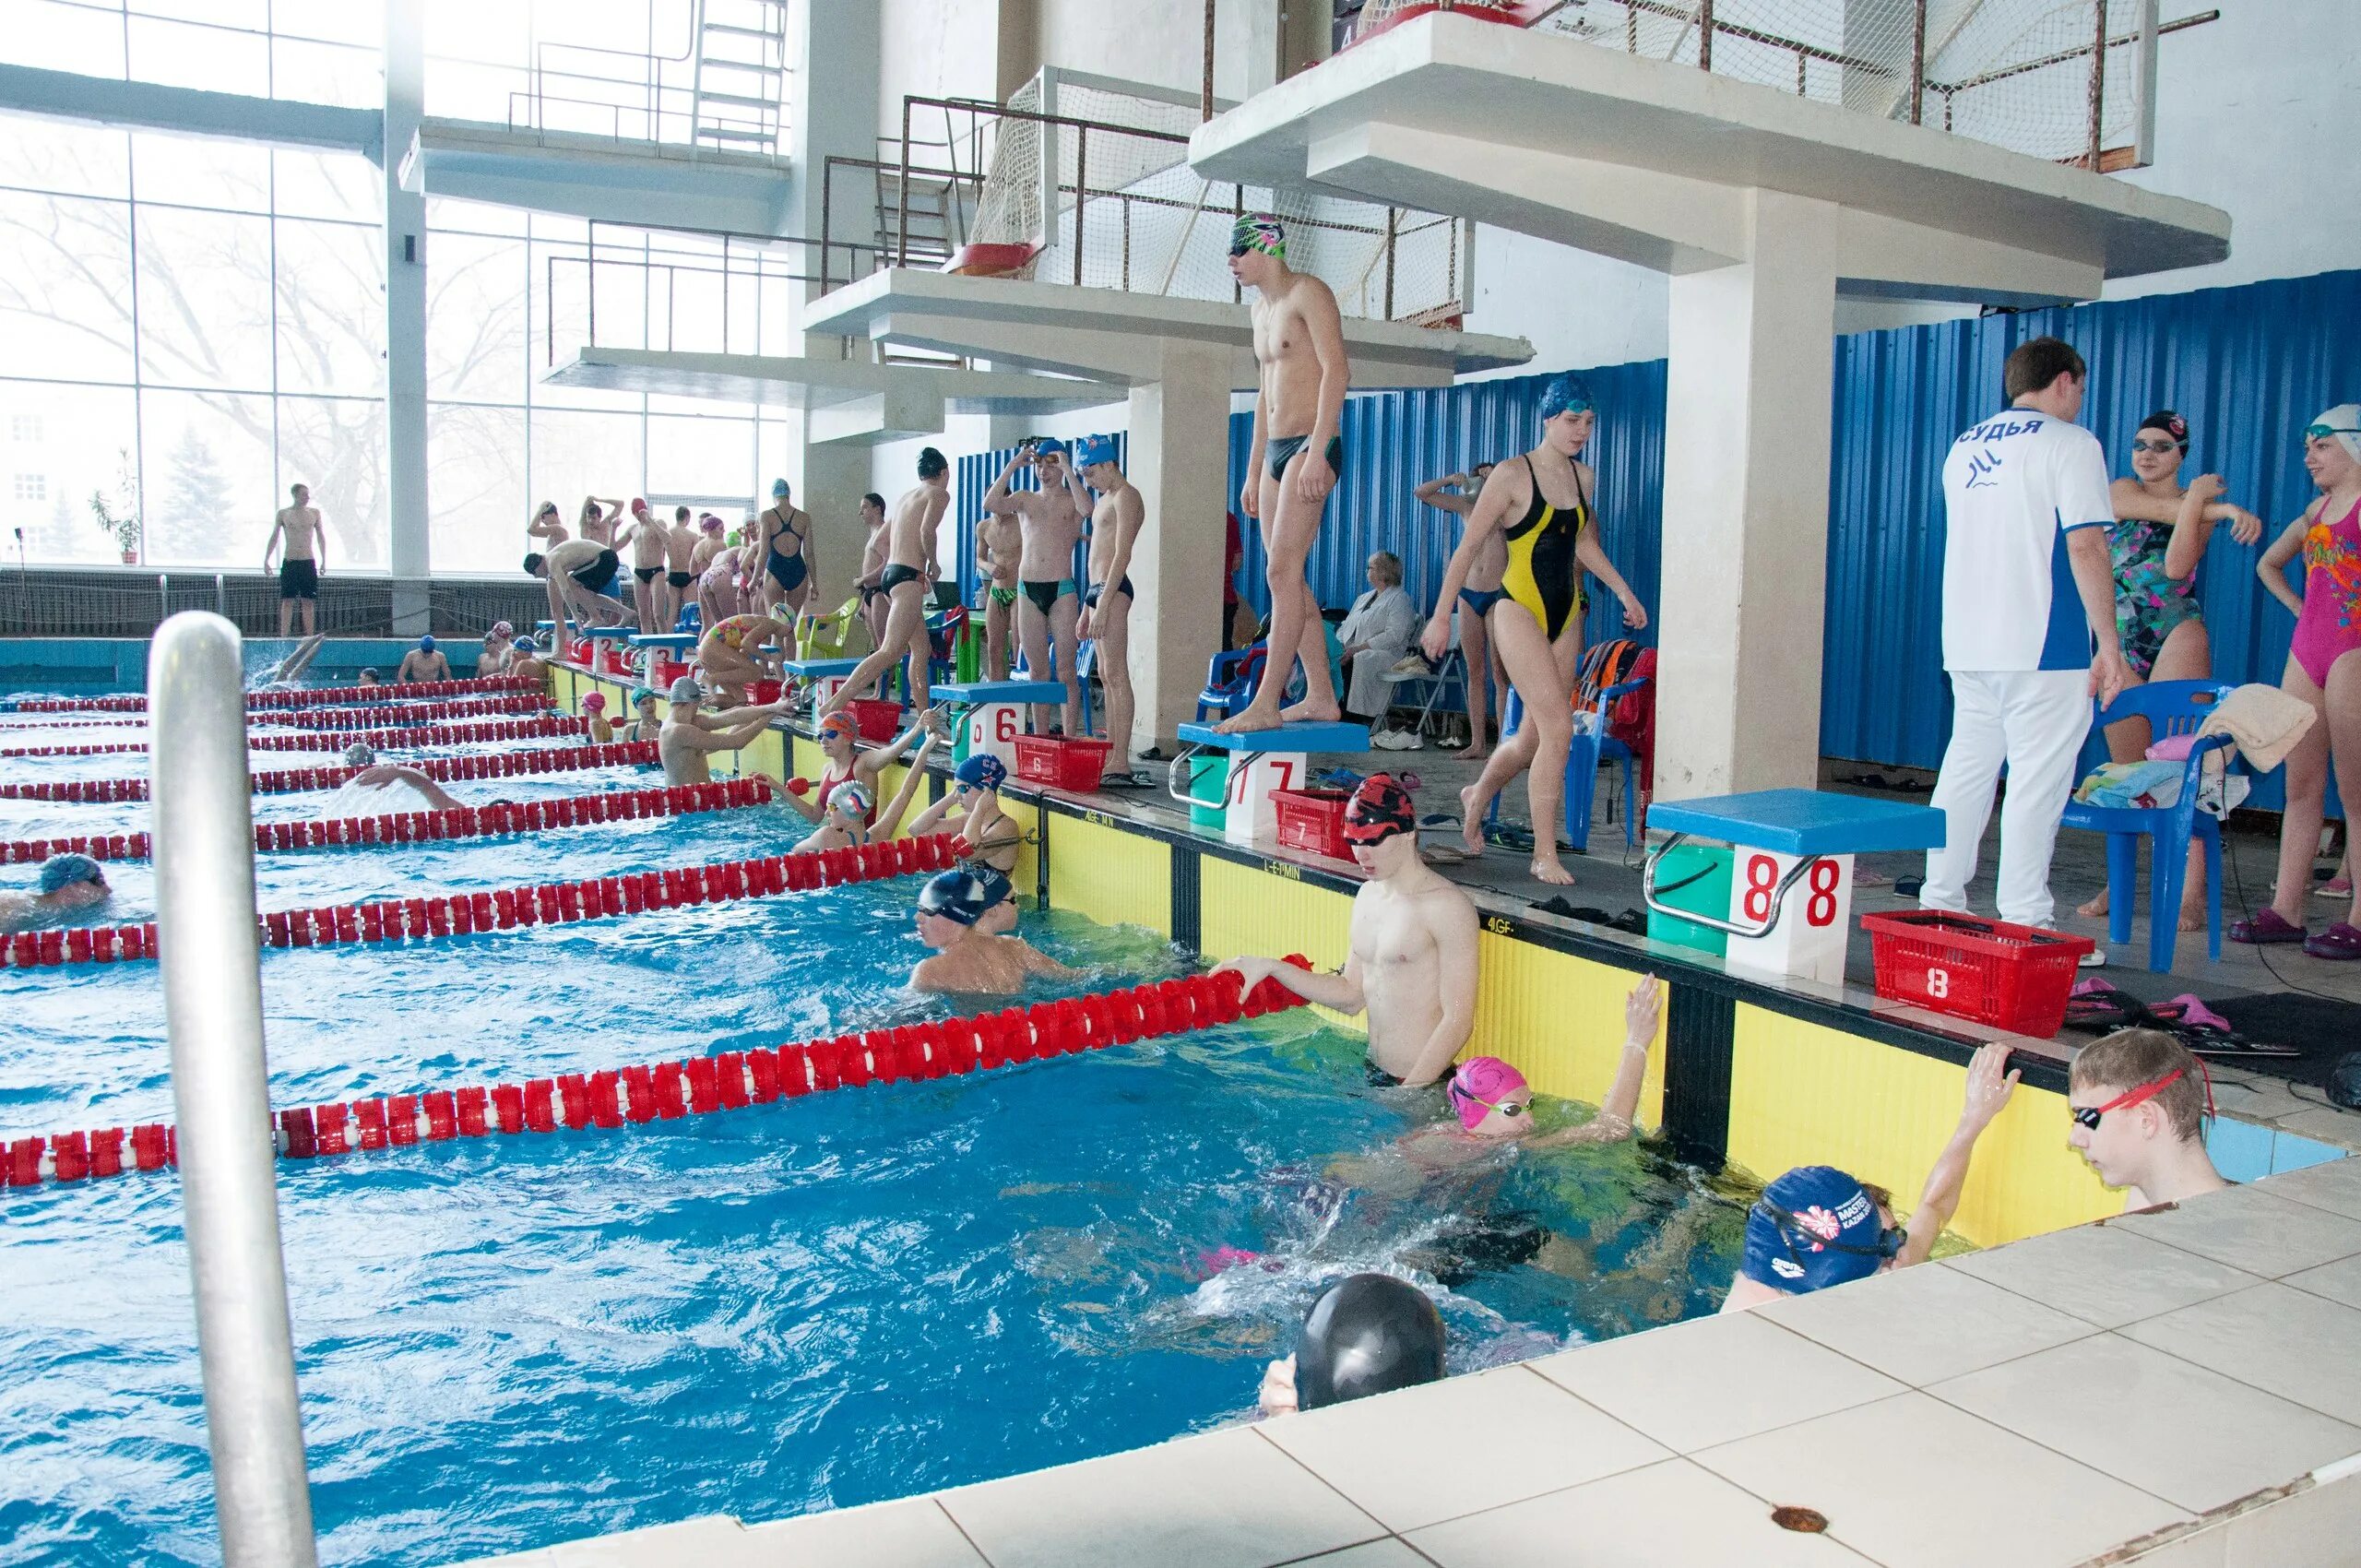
(1812, 1228)
(527, 645)
(426, 645)
(1093, 449)
(1567, 393)
(778, 488)
(962, 895)
(983, 770)
(1048, 444)
(64, 871)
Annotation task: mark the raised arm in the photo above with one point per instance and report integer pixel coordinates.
(1643, 1011)
(2133, 503)
(1988, 1087)
(437, 797)
(1491, 506)
(890, 820)
(872, 763)
(2273, 567)
(1440, 494)
(997, 500)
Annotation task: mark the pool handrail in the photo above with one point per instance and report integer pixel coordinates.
(203, 830)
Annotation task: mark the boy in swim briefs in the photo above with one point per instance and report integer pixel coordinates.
(1000, 548)
(1048, 525)
(298, 527)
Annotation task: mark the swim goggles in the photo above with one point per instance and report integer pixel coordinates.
(1889, 1243)
(2322, 432)
(2087, 1116)
(2155, 447)
(1506, 1107)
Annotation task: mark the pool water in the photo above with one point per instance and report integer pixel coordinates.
(828, 1301)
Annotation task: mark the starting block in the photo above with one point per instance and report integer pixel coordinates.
(991, 715)
(610, 649)
(1261, 762)
(822, 677)
(669, 647)
(1791, 882)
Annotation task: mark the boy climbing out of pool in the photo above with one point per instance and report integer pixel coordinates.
(908, 580)
(70, 885)
(1049, 524)
(1817, 1226)
(1411, 963)
(1294, 460)
(689, 734)
(1115, 521)
(2139, 1100)
(969, 959)
(984, 836)
(850, 815)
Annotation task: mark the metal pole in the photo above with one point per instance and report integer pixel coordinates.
(2144, 139)
(902, 223)
(2098, 83)
(205, 907)
(1205, 100)
(1919, 62)
(1081, 193)
(1704, 35)
(1393, 216)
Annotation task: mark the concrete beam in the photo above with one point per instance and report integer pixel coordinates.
(151, 106)
(599, 178)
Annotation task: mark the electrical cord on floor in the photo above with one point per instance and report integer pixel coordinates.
(2262, 949)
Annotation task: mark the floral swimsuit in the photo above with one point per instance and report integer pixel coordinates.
(2148, 603)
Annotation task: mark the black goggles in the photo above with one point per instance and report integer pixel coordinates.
(1889, 1243)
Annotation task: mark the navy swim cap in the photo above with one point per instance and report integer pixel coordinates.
(64, 871)
(1812, 1228)
(1567, 393)
(983, 771)
(962, 895)
(426, 645)
(1370, 1333)
(1093, 449)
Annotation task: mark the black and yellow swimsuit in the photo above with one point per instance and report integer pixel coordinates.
(1543, 575)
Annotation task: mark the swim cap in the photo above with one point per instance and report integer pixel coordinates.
(962, 895)
(1093, 449)
(2171, 423)
(527, 645)
(64, 871)
(685, 689)
(533, 559)
(1370, 1333)
(503, 629)
(983, 771)
(711, 524)
(1259, 231)
(638, 505)
(842, 724)
(1812, 1228)
(1567, 393)
(426, 645)
(2342, 423)
(1478, 1085)
(852, 798)
(360, 756)
(1378, 809)
(595, 701)
(369, 673)
(778, 488)
(1048, 444)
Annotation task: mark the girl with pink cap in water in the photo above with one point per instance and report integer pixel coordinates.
(1493, 1104)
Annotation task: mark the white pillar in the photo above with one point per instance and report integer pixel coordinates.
(1746, 510)
(406, 320)
(1179, 457)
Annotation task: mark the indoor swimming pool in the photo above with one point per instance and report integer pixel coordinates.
(819, 1302)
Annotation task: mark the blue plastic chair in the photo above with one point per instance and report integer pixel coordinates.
(1584, 755)
(1229, 682)
(2171, 708)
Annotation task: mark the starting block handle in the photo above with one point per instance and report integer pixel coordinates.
(1174, 785)
(1795, 874)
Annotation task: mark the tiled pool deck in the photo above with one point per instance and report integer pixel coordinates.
(2176, 1388)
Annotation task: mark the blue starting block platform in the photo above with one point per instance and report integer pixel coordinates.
(821, 669)
(670, 642)
(1791, 873)
(992, 714)
(609, 634)
(1261, 763)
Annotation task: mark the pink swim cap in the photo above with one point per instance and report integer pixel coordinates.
(1478, 1083)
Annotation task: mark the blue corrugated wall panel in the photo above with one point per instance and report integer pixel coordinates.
(972, 479)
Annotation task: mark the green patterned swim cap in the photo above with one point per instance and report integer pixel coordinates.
(1258, 232)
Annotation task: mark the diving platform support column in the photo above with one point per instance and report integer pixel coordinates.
(1177, 455)
(1747, 438)
(405, 238)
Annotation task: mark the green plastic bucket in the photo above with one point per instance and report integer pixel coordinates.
(1209, 781)
(1695, 877)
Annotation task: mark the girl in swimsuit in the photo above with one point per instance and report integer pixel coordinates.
(1540, 508)
(2159, 537)
(987, 838)
(778, 575)
(731, 654)
(850, 815)
(1482, 591)
(2323, 669)
(843, 762)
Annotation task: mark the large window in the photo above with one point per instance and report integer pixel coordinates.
(317, 51)
(187, 327)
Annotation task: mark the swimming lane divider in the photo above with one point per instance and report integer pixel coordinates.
(548, 903)
(543, 728)
(313, 696)
(500, 819)
(667, 1091)
(295, 781)
(410, 715)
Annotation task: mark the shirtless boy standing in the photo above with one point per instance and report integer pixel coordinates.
(875, 538)
(908, 580)
(1294, 460)
(650, 539)
(299, 570)
(681, 545)
(1412, 963)
(1049, 524)
(1000, 549)
(1106, 603)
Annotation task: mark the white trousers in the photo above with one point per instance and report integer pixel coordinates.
(2034, 721)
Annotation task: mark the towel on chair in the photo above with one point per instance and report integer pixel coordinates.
(2154, 786)
(2262, 722)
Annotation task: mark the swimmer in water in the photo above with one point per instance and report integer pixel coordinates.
(844, 761)
(368, 676)
(1411, 966)
(647, 723)
(689, 735)
(851, 816)
(499, 649)
(1368, 1333)
(294, 664)
(525, 661)
(424, 662)
(967, 959)
(595, 731)
(986, 838)
(69, 884)
(373, 779)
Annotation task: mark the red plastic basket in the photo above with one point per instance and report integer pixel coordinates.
(878, 721)
(663, 672)
(1063, 762)
(2012, 977)
(761, 692)
(1313, 820)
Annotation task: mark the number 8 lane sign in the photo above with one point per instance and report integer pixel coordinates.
(1814, 920)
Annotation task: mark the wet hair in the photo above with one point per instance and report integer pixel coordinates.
(679, 514)
(2128, 1058)
(932, 463)
(2034, 365)
(874, 499)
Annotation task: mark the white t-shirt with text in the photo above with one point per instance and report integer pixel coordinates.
(2015, 486)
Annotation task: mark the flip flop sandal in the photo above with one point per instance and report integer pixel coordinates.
(1126, 781)
(2095, 1004)
(2269, 927)
(2339, 942)
(2207, 1033)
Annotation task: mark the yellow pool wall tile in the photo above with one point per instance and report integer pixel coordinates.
(1559, 1020)
(1246, 910)
(1114, 877)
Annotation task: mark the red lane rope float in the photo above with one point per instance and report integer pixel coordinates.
(497, 820)
(410, 715)
(294, 780)
(316, 696)
(424, 735)
(548, 903)
(667, 1091)
(137, 723)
